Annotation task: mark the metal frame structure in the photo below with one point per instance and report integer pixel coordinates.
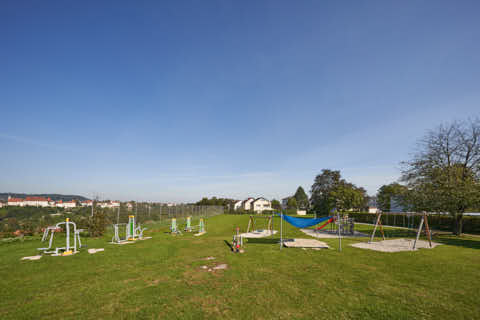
(68, 249)
(132, 232)
(251, 223)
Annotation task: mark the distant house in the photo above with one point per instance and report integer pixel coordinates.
(66, 204)
(237, 204)
(261, 204)
(247, 204)
(115, 204)
(19, 202)
(372, 205)
(2, 204)
(301, 212)
(86, 203)
(37, 201)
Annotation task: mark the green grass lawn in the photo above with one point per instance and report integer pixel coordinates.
(161, 278)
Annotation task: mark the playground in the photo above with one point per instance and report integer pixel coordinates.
(183, 276)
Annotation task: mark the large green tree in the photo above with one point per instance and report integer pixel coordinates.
(276, 205)
(444, 174)
(330, 191)
(302, 198)
(391, 191)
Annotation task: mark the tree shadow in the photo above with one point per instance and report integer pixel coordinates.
(459, 242)
(266, 240)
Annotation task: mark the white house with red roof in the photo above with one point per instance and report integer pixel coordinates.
(15, 202)
(66, 204)
(37, 201)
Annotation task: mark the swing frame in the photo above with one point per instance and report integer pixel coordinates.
(251, 223)
(423, 223)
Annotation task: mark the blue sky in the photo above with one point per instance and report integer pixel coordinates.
(172, 101)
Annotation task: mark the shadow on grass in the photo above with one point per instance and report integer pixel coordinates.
(466, 243)
(263, 240)
(228, 244)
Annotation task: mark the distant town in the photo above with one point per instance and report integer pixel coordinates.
(48, 202)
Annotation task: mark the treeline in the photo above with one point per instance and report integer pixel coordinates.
(54, 196)
(214, 201)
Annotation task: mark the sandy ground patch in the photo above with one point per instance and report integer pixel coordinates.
(305, 243)
(326, 234)
(395, 245)
(258, 234)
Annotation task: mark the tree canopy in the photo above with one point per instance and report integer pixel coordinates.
(330, 191)
(301, 198)
(391, 191)
(444, 174)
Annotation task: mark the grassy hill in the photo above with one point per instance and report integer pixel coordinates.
(53, 196)
(162, 278)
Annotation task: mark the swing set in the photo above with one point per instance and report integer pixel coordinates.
(423, 224)
(268, 224)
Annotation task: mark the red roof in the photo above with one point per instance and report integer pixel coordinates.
(15, 200)
(35, 199)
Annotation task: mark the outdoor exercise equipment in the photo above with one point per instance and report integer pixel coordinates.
(423, 224)
(132, 232)
(268, 223)
(174, 227)
(68, 249)
(200, 227)
(237, 243)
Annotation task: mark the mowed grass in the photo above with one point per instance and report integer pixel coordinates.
(162, 278)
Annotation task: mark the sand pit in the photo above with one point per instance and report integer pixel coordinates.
(258, 234)
(305, 243)
(326, 234)
(395, 245)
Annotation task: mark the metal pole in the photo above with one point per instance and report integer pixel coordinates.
(418, 234)
(339, 233)
(281, 231)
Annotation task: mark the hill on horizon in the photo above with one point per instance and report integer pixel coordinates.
(53, 196)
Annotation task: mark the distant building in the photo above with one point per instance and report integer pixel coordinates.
(261, 204)
(237, 204)
(19, 202)
(372, 205)
(66, 204)
(301, 212)
(86, 203)
(37, 201)
(247, 204)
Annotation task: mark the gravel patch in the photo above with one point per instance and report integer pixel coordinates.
(395, 245)
(324, 234)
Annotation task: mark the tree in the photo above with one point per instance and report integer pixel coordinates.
(301, 198)
(323, 184)
(444, 174)
(292, 203)
(330, 191)
(389, 191)
(276, 205)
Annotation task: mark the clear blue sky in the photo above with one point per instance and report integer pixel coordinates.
(172, 101)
